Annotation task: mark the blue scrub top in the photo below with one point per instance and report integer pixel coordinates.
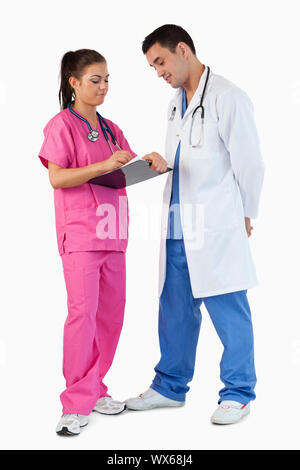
(175, 228)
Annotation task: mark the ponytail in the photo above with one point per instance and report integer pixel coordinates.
(72, 65)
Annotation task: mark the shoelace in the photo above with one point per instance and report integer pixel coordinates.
(68, 416)
(110, 403)
(227, 407)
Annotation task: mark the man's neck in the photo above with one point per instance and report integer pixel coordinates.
(192, 83)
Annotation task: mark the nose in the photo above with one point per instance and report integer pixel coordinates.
(160, 73)
(103, 86)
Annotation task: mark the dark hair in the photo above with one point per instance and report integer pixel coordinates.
(168, 35)
(72, 64)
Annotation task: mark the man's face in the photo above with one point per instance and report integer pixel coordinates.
(172, 66)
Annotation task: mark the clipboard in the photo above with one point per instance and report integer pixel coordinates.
(133, 172)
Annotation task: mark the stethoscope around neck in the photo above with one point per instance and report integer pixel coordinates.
(200, 106)
(93, 134)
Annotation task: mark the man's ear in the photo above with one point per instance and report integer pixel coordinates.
(183, 49)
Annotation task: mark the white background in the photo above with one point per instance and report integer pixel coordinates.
(256, 45)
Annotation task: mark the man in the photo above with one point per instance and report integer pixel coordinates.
(209, 200)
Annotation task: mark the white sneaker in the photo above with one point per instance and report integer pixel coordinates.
(230, 412)
(70, 424)
(108, 406)
(149, 400)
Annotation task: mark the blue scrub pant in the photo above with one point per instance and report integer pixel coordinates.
(179, 326)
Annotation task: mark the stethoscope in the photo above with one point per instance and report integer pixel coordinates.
(93, 133)
(200, 106)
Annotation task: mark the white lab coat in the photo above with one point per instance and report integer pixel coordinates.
(219, 185)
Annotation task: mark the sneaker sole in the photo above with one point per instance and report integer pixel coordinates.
(230, 422)
(110, 414)
(65, 431)
(155, 406)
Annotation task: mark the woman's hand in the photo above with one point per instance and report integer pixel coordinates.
(158, 163)
(69, 177)
(248, 226)
(117, 159)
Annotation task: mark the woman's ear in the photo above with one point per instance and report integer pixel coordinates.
(73, 82)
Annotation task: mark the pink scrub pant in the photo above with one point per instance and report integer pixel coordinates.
(95, 282)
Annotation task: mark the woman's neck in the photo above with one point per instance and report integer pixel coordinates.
(87, 111)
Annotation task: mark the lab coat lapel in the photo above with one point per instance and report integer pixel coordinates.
(177, 103)
(196, 97)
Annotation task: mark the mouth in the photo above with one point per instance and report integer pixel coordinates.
(168, 77)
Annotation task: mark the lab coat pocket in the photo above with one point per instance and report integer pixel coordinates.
(63, 243)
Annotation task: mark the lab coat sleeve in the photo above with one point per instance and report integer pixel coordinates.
(238, 132)
(58, 145)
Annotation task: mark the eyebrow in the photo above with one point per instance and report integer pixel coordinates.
(99, 76)
(156, 60)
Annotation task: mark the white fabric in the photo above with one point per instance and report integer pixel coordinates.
(219, 183)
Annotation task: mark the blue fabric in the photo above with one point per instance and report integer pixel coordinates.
(179, 326)
(175, 229)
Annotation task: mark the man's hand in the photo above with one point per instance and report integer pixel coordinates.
(158, 163)
(248, 226)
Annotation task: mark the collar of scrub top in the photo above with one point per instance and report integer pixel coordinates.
(183, 107)
(93, 134)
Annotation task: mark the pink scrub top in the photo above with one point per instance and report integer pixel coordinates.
(88, 217)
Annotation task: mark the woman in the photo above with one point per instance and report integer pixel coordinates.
(75, 149)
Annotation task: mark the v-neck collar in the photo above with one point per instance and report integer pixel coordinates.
(98, 123)
(183, 103)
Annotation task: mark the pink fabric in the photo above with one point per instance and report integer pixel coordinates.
(76, 215)
(95, 282)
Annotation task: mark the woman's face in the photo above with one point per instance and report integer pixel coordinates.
(93, 85)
